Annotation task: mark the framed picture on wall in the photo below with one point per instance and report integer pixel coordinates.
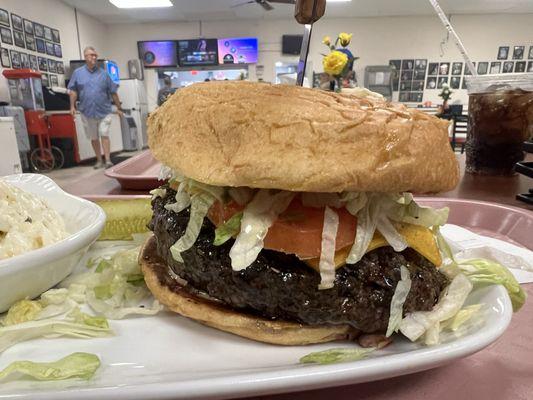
(6, 61)
(38, 29)
(420, 74)
(495, 67)
(48, 33)
(30, 42)
(60, 67)
(49, 48)
(457, 68)
(421, 64)
(455, 82)
(431, 82)
(33, 62)
(441, 81)
(433, 69)
(518, 52)
(6, 36)
(57, 50)
(16, 21)
(44, 79)
(28, 26)
(43, 64)
(404, 96)
(55, 36)
(408, 64)
(520, 66)
(530, 66)
(530, 53)
(53, 80)
(24, 60)
(406, 76)
(508, 67)
(417, 85)
(15, 59)
(396, 64)
(463, 84)
(482, 68)
(18, 37)
(405, 86)
(4, 18)
(416, 97)
(444, 68)
(467, 70)
(503, 52)
(52, 66)
(39, 44)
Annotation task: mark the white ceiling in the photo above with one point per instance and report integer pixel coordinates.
(195, 10)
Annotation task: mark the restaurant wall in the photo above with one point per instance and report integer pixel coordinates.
(57, 15)
(375, 41)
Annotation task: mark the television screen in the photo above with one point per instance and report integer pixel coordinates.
(291, 44)
(158, 53)
(197, 52)
(112, 71)
(237, 51)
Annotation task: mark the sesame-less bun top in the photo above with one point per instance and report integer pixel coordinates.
(299, 139)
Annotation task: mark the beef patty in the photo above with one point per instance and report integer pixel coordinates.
(280, 286)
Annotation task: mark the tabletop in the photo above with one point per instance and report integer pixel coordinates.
(504, 370)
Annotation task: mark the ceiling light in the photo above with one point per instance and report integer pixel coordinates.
(141, 3)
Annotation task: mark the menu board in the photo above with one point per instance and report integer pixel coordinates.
(237, 50)
(197, 52)
(161, 53)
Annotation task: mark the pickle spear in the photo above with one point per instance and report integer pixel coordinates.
(125, 217)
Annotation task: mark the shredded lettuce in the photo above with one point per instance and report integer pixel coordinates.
(398, 299)
(226, 231)
(75, 365)
(22, 311)
(183, 200)
(463, 316)
(354, 202)
(336, 355)
(327, 252)
(391, 235)
(257, 217)
(366, 227)
(158, 192)
(241, 195)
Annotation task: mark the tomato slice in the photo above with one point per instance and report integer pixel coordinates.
(298, 230)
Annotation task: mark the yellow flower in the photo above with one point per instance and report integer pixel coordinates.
(345, 38)
(326, 40)
(334, 62)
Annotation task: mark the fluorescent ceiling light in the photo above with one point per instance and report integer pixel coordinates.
(141, 3)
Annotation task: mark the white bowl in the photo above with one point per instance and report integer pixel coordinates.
(32, 273)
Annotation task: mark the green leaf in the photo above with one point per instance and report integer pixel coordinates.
(336, 355)
(135, 279)
(82, 318)
(103, 292)
(22, 311)
(227, 230)
(75, 365)
(102, 265)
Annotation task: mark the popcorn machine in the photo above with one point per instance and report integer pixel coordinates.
(26, 91)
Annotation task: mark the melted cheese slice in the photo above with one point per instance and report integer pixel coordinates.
(419, 238)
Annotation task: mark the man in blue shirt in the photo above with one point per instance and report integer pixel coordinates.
(94, 89)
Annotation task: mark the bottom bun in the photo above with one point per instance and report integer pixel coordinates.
(217, 315)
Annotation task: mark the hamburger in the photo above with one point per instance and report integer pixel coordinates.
(288, 217)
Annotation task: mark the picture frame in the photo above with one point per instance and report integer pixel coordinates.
(455, 82)
(56, 38)
(405, 86)
(421, 64)
(408, 64)
(441, 81)
(15, 59)
(43, 64)
(416, 97)
(417, 86)
(404, 96)
(28, 26)
(482, 68)
(419, 74)
(467, 70)
(518, 52)
(30, 42)
(507, 67)
(57, 50)
(47, 33)
(530, 66)
(52, 66)
(39, 44)
(530, 53)
(406, 75)
(396, 64)
(444, 68)
(53, 80)
(60, 67)
(18, 39)
(4, 19)
(16, 22)
(463, 83)
(495, 67)
(433, 69)
(520, 66)
(431, 82)
(33, 62)
(38, 29)
(24, 60)
(44, 80)
(6, 36)
(4, 55)
(457, 69)
(503, 53)
(49, 48)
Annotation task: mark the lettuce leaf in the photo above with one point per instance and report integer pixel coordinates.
(398, 299)
(327, 251)
(229, 229)
(336, 355)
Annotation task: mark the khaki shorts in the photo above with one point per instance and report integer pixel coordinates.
(96, 127)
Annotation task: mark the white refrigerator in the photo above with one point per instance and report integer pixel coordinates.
(132, 95)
